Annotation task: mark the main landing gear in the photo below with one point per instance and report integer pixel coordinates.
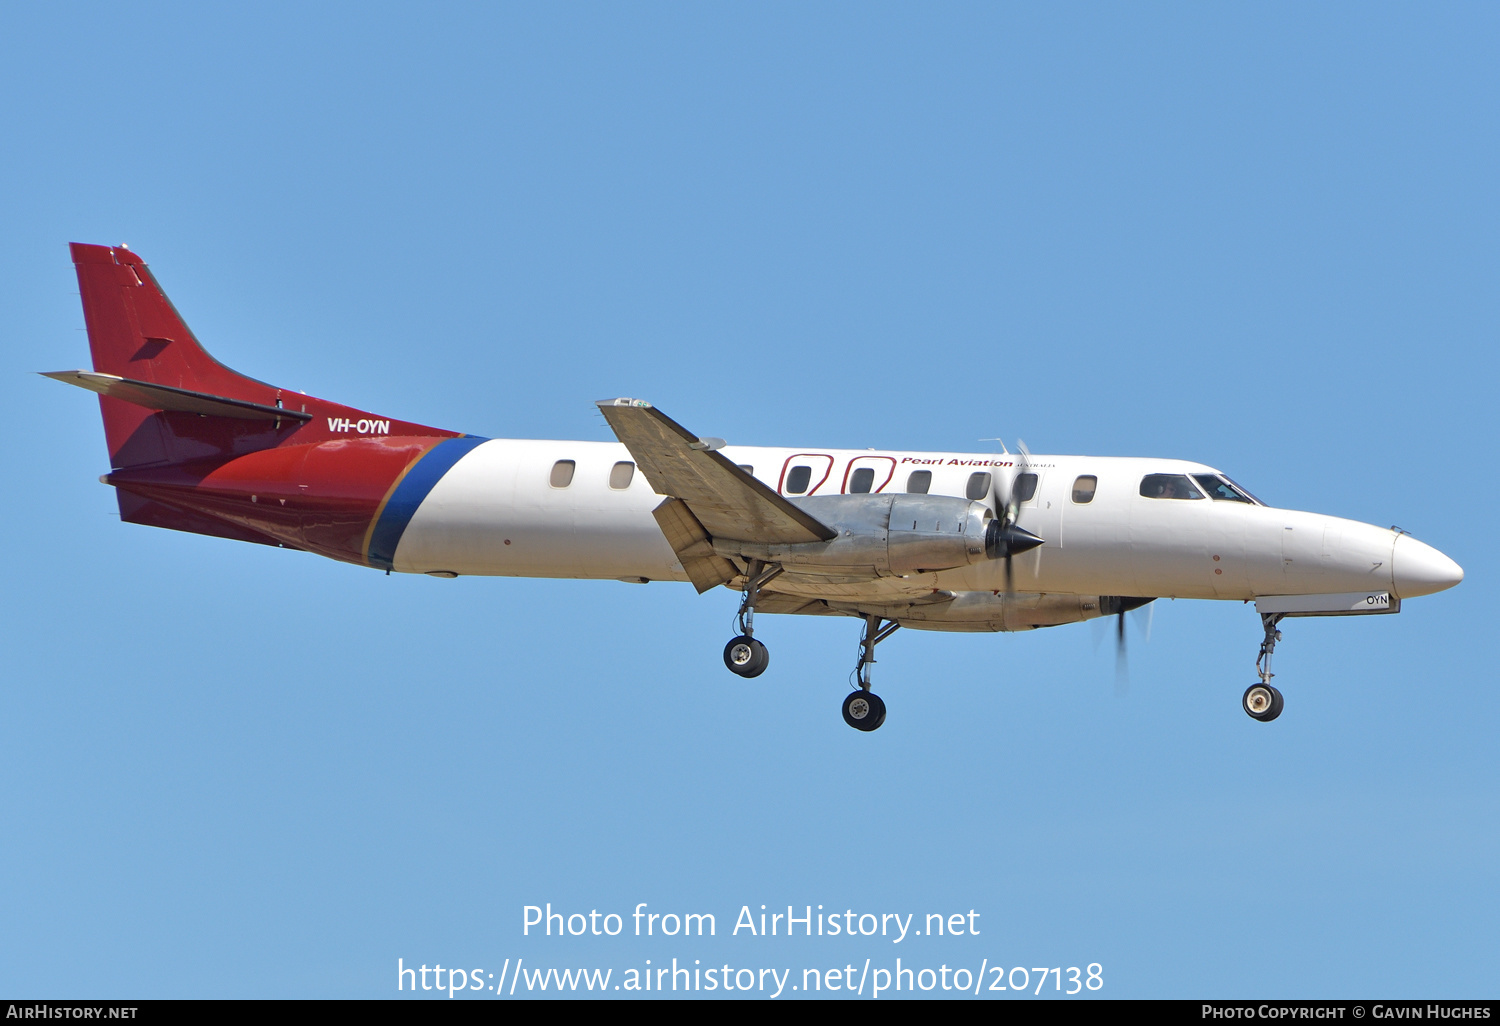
(1262, 701)
(863, 709)
(744, 655)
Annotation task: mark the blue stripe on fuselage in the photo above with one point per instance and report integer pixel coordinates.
(414, 487)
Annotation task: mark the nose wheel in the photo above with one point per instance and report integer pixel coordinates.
(1261, 701)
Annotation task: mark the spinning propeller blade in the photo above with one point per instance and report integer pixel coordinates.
(1006, 539)
(1117, 606)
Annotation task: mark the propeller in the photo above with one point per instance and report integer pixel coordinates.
(1122, 658)
(1005, 539)
(1117, 606)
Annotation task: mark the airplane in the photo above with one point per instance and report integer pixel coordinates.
(931, 541)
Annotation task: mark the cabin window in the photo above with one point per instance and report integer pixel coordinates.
(919, 482)
(862, 480)
(979, 485)
(1025, 487)
(1168, 486)
(1220, 488)
(797, 479)
(562, 473)
(620, 475)
(747, 468)
(1084, 488)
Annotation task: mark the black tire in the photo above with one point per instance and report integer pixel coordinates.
(864, 710)
(1262, 702)
(746, 656)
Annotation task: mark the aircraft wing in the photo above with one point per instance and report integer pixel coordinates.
(726, 501)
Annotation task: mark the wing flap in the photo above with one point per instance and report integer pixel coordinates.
(695, 551)
(729, 503)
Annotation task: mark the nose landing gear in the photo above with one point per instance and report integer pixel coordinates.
(1261, 701)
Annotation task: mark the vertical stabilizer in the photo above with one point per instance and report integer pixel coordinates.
(177, 403)
(136, 333)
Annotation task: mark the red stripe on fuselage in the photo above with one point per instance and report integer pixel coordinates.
(322, 497)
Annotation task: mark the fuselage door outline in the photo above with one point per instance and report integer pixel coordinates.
(885, 465)
(817, 462)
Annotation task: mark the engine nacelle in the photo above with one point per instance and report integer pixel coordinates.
(886, 536)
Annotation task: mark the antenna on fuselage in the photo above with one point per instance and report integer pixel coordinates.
(1003, 449)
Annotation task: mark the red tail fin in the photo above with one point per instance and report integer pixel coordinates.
(136, 333)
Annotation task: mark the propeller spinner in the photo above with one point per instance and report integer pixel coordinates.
(1005, 538)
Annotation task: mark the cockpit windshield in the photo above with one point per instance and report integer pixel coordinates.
(1220, 487)
(1168, 486)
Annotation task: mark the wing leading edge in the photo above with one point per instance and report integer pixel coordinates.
(725, 502)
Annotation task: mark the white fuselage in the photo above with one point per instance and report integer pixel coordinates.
(497, 512)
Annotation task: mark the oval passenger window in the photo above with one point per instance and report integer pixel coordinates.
(562, 473)
(1084, 488)
(979, 485)
(620, 475)
(919, 482)
(797, 480)
(862, 480)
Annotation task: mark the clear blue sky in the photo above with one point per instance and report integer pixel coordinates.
(1261, 236)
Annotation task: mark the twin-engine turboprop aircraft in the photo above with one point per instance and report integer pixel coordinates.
(937, 541)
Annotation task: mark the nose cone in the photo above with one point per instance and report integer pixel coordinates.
(1418, 569)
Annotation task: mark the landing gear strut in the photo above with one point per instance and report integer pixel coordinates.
(744, 655)
(1262, 701)
(863, 709)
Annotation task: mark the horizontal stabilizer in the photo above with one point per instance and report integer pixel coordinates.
(180, 400)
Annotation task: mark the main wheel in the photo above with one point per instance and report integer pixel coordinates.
(746, 656)
(863, 710)
(1262, 702)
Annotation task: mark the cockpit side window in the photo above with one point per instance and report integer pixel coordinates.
(1242, 490)
(1168, 486)
(1220, 488)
